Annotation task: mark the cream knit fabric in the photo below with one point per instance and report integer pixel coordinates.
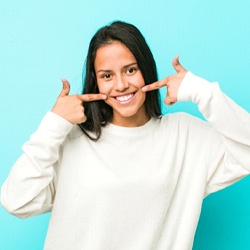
(136, 188)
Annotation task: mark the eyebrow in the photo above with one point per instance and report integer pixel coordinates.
(108, 70)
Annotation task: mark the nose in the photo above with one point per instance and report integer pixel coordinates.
(121, 84)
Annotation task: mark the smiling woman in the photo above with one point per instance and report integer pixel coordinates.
(114, 42)
(119, 77)
(112, 170)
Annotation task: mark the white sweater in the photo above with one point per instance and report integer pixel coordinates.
(136, 188)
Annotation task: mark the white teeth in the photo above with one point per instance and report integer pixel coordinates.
(124, 98)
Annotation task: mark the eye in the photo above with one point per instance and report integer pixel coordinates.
(130, 71)
(106, 76)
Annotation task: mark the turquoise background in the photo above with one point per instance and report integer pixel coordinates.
(43, 41)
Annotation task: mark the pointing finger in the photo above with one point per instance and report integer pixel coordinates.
(66, 88)
(176, 64)
(155, 85)
(92, 97)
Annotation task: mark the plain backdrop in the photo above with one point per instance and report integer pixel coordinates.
(43, 41)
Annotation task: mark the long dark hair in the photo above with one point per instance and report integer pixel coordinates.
(99, 113)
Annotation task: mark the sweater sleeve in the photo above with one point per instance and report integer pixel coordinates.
(228, 153)
(30, 187)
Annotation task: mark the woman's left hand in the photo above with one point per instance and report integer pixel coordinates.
(172, 83)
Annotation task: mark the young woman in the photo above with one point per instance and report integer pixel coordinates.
(113, 171)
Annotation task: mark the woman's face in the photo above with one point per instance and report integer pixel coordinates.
(119, 77)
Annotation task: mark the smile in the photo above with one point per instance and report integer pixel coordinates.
(124, 98)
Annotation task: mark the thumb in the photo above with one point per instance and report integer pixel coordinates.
(176, 64)
(66, 87)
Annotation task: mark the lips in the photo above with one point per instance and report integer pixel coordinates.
(124, 98)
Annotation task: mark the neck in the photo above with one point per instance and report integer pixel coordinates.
(136, 121)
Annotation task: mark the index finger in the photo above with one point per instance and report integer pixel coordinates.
(154, 86)
(92, 97)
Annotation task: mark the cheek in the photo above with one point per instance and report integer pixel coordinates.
(140, 81)
(104, 88)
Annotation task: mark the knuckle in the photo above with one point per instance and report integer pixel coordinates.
(83, 118)
(78, 97)
(89, 97)
(156, 85)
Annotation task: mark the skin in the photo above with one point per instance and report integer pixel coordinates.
(118, 75)
(70, 107)
(120, 79)
(172, 83)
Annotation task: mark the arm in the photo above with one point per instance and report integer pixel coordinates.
(228, 157)
(31, 185)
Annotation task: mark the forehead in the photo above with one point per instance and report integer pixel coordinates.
(113, 55)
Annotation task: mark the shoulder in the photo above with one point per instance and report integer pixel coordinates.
(182, 120)
(178, 117)
(75, 132)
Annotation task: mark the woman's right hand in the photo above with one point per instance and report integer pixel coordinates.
(70, 106)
